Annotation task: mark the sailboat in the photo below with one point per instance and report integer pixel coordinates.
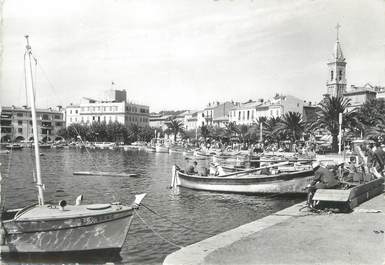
(48, 228)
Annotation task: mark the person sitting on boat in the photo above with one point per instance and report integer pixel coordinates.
(192, 169)
(219, 170)
(324, 178)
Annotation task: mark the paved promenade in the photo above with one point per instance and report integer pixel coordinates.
(295, 236)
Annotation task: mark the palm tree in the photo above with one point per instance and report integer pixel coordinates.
(231, 129)
(218, 133)
(291, 125)
(205, 132)
(269, 129)
(97, 131)
(370, 119)
(328, 117)
(243, 132)
(133, 132)
(175, 126)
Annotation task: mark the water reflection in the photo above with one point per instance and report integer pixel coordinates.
(208, 212)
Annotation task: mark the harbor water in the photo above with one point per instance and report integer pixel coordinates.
(151, 237)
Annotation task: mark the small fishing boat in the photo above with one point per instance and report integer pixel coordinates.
(160, 148)
(246, 181)
(203, 154)
(14, 146)
(150, 149)
(49, 228)
(358, 183)
(104, 145)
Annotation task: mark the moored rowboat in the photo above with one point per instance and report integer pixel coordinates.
(248, 183)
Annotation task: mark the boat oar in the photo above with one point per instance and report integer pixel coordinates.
(255, 169)
(281, 160)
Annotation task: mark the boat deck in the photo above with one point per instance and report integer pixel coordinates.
(71, 211)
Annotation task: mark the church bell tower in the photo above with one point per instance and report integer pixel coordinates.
(336, 83)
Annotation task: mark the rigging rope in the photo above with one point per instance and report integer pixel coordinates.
(156, 233)
(171, 221)
(88, 152)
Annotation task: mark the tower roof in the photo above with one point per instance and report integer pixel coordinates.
(338, 55)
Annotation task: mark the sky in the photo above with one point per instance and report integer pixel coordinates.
(182, 54)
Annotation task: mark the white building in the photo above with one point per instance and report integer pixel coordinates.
(111, 110)
(249, 112)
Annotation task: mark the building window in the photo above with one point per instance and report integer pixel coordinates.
(20, 130)
(19, 114)
(57, 117)
(76, 111)
(248, 115)
(331, 75)
(58, 124)
(70, 119)
(70, 111)
(20, 122)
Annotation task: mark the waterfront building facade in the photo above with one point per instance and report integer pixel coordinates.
(16, 123)
(159, 121)
(215, 113)
(189, 119)
(113, 109)
(249, 112)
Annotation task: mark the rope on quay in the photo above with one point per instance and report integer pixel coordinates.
(171, 221)
(156, 233)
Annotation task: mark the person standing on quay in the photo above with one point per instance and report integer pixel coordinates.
(379, 158)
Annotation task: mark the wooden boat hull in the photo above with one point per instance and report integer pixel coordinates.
(14, 147)
(288, 183)
(87, 233)
(161, 149)
(350, 198)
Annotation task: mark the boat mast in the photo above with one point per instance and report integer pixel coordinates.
(39, 183)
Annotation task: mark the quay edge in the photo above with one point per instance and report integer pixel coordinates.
(196, 253)
(291, 236)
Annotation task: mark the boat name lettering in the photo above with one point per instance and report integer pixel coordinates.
(96, 219)
(89, 220)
